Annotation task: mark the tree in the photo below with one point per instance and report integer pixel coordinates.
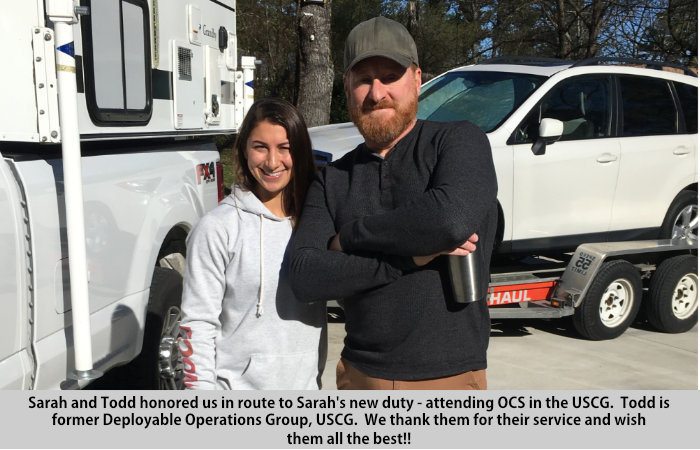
(673, 35)
(623, 38)
(315, 74)
(347, 14)
(450, 33)
(266, 29)
(571, 29)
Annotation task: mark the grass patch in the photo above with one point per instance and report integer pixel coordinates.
(225, 146)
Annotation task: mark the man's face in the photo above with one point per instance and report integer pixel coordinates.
(382, 100)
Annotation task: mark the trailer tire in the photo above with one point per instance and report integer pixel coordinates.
(159, 365)
(672, 303)
(611, 303)
(681, 221)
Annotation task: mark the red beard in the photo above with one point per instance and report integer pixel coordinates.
(383, 131)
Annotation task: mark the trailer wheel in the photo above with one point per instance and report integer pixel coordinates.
(611, 303)
(681, 221)
(159, 365)
(672, 304)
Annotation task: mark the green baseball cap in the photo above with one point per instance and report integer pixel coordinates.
(380, 37)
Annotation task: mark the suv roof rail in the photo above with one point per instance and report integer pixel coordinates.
(658, 65)
(527, 60)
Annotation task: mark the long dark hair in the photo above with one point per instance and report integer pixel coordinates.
(283, 113)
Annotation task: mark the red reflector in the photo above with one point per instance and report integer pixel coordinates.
(220, 180)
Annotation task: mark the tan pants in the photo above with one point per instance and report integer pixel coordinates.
(348, 377)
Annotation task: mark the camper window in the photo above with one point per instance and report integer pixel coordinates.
(117, 62)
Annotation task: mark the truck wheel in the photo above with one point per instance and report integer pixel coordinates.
(672, 304)
(681, 221)
(612, 302)
(159, 365)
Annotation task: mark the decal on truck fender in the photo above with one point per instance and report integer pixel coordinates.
(206, 173)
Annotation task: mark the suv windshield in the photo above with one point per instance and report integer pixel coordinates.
(483, 98)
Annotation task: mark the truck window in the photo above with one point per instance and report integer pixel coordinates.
(647, 107)
(117, 62)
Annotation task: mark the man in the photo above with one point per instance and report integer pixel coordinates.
(375, 220)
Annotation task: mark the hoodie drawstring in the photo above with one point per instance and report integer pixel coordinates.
(259, 311)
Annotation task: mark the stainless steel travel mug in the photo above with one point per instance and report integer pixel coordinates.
(465, 275)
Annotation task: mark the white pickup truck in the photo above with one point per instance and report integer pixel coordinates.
(138, 210)
(121, 98)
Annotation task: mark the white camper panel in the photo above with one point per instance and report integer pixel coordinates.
(145, 68)
(194, 68)
(18, 106)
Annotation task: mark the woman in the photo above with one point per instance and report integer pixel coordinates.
(242, 327)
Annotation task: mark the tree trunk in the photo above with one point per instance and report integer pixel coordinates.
(315, 76)
(564, 49)
(595, 25)
(412, 18)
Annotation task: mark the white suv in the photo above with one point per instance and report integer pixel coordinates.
(584, 152)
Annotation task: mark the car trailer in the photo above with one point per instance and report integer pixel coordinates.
(603, 286)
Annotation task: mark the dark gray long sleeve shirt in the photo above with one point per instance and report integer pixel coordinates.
(433, 190)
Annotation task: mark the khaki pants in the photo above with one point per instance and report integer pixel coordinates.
(348, 377)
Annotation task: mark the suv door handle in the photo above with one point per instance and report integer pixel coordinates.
(606, 158)
(681, 151)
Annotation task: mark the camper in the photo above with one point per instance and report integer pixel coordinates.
(108, 113)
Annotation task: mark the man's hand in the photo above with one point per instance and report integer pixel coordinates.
(335, 244)
(463, 250)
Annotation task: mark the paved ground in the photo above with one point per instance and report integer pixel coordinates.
(540, 354)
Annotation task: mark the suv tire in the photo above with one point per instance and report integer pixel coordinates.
(681, 221)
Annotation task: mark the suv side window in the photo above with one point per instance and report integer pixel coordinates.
(581, 103)
(688, 96)
(647, 107)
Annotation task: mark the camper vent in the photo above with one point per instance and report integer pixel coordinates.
(184, 63)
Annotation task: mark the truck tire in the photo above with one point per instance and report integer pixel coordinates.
(611, 303)
(681, 221)
(672, 303)
(159, 365)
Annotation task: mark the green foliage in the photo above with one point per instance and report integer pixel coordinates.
(434, 28)
(673, 35)
(347, 14)
(267, 30)
(224, 144)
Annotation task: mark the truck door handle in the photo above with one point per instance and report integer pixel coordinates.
(681, 151)
(606, 158)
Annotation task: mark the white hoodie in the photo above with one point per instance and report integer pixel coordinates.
(242, 326)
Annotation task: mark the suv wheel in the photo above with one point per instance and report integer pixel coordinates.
(612, 302)
(681, 221)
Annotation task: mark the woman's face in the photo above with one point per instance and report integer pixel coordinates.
(269, 159)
